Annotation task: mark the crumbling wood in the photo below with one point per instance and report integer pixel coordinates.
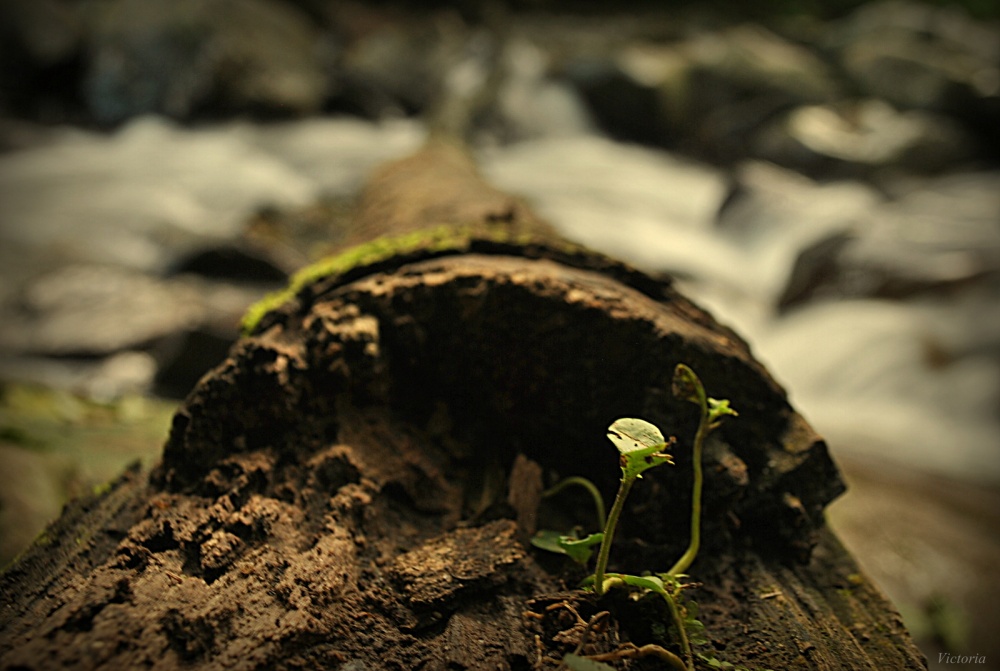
(338, 494)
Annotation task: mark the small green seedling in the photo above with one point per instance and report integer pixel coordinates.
(687, 387)
(641, 446)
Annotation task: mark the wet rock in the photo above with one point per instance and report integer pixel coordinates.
(96, 310)
(935, 236)
(843, 267)
(916, 55)
(239, 263)
(704, 94)
(855, 139)
(46, 31)
(395, 70)
(38, 44)
(177, 59)
(741, 78)
(816, 264)
(185, 354)
(624, 106)
(922, 56)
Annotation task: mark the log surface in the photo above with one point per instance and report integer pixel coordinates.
(347, 490)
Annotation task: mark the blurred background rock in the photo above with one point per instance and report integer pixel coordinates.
(823, 176)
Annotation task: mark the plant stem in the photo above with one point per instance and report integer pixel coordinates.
(681, 633)
(609, 533)
(699, 443)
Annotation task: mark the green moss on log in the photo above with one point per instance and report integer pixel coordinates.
(432, 241)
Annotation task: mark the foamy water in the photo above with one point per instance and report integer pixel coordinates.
(915, 380)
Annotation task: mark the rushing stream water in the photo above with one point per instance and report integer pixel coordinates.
(915, 380)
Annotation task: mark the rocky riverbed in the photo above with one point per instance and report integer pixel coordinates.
(827, 185)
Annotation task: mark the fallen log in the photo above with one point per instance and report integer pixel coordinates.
(354, 486)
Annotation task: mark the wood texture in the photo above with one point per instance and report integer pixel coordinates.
(337, 493)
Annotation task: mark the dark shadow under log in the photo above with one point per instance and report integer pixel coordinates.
(348, 490)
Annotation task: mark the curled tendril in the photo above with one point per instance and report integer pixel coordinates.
(686, 386)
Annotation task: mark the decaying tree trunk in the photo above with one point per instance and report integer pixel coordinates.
(354, 486)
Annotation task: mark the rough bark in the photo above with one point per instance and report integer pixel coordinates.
(353, 487)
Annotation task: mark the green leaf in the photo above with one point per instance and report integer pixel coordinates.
(578, 549)
(636, 463)
(695, 631)
(630, 434)
(548, 540)
(719, 408)
(650, 582)
(577, 663)
(640, 444)
(581, 549)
